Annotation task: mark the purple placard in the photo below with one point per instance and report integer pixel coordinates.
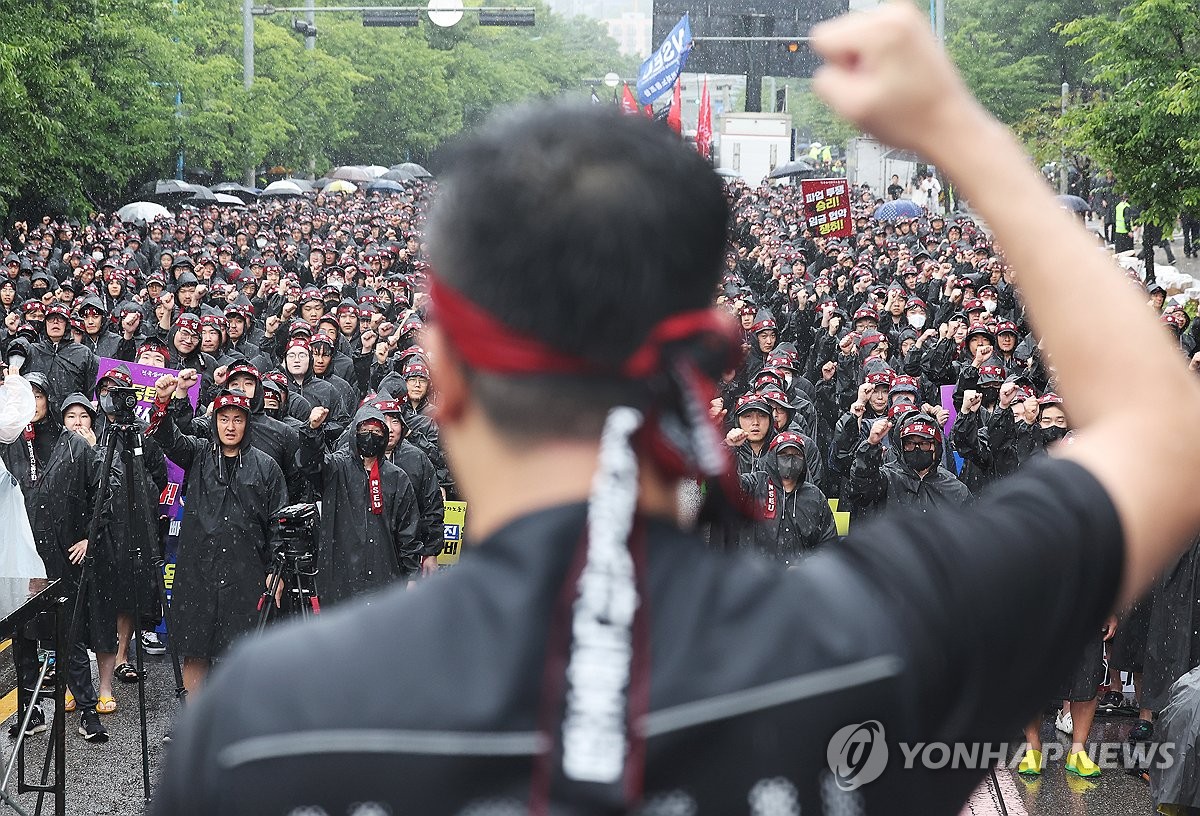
(947, 392)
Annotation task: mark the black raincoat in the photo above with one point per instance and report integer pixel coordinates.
(359, 550)
(790, 525)
(226, 540)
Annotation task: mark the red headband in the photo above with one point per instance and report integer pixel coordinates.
(486, 344)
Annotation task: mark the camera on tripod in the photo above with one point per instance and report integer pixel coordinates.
(121, 402)
(297, 533)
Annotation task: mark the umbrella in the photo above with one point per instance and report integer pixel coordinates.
(321, 183)
(200, 195)
(340, 186)
(227, 200)
(382, 185)
(305, 185)
(900, 208)
(142, 211)
(398, 175)
(349, 172)
(375, 170)
(725, 172)
(793, 168)
(284, 187)
(233, 188)
(414, 168)
(1073, 203)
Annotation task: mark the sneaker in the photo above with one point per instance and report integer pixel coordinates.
(1080, 764)
(1112, 700)
(1064, 723)
(1031, 763)
(152, 644)
(1142, 732)
(37, 724)
(90, 727)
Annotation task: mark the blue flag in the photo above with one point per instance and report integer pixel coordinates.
(659, 72)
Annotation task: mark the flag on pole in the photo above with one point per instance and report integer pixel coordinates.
(704, 125)
(628, 103)
(675, 113)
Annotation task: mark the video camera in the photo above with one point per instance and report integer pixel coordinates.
(121, 403)
(297, 532)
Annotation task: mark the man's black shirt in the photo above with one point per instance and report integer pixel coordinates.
(428, 701)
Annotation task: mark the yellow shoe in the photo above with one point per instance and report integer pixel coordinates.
(106, 705)
(1080, 764)
(1031, 764)
(69, 704)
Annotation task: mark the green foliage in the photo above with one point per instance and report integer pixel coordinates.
(88, 91)
(1144, 122)
(82, 98)
(1009, 85)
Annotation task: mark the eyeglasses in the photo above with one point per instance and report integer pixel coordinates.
(917, 444)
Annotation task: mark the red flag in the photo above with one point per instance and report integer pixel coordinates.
(649, 111)
(675, 114)
(704, 125)
(628, 103)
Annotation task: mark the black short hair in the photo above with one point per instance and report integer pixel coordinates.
(584, 228)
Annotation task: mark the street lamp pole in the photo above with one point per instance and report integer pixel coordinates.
(1062, 164)
(248, 62)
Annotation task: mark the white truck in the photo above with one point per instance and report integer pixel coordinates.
(753, 144)
(871, 162)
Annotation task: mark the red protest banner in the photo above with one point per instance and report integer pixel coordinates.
(827, 207)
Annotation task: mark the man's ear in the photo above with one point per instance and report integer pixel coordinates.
(448, 374)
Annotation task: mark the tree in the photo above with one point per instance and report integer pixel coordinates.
(86, 98)
(1145, 120)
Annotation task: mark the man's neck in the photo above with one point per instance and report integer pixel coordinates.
(758, 446)
(789, 485)
(230, 451)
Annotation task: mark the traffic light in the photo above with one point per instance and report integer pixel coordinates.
(505, 17)
(792, 47)
(304, 28)
(406, 18)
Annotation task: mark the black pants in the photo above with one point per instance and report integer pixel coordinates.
(1122, 241)
(1191, 235)
(79, 672)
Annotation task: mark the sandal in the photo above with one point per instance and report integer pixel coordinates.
(126, 673)
(106, 705)
(69, 704)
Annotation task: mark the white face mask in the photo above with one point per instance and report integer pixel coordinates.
(260, 241)
(916, 320)
(989, 305)
(98, 255)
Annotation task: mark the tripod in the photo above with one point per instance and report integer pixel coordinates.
(295, 571)
(126, 432)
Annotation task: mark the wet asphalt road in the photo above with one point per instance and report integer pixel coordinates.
(103, 778)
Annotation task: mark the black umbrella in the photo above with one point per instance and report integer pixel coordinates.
(398, 175)
(383, 185)
(798, 167)
(200, 195)
(1073, 203)
(232, 188)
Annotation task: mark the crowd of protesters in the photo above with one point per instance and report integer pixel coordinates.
(892, 368)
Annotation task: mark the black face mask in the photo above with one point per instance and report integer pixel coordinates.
(791, 466)
(370, 444)
(918, 459)
(1053, 434)
(990, 396)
